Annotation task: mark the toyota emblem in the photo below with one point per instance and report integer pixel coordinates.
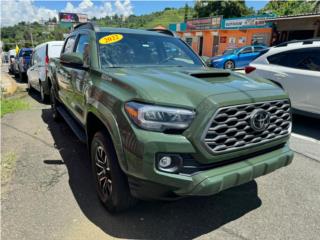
(259, 120)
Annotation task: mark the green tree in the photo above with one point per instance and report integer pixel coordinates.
(186, 12)
(227, 9)
(290, 7)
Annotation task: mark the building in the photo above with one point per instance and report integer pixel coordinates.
(296, 27)
(212, 36)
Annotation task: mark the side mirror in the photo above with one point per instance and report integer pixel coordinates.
(72, 59)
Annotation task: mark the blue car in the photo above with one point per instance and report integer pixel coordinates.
(238, 58)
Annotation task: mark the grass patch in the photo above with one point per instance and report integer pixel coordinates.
(8, 164)
(12, 105)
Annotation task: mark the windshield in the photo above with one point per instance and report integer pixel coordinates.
(136, 50)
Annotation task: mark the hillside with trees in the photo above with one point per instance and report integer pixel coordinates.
(227, 9)
(164, 18)
(291, 7)
(23, 34)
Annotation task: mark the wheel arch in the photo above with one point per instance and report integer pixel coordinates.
(96, 121)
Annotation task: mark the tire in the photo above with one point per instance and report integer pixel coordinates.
(21, 77)
(229, 64)
(111, 183)
(44, 97)
(54, 103)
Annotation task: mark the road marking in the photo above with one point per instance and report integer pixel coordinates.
(305, 138)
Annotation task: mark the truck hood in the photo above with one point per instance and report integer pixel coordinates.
(185, 86)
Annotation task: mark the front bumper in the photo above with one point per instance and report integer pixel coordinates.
(216, 180)
(160, 185)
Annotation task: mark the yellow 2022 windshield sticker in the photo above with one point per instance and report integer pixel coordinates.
(113, 38)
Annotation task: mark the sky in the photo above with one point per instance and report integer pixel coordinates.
(34, 10)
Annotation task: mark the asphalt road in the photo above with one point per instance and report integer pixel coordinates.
(51, 195)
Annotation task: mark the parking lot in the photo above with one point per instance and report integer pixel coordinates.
(50, 193)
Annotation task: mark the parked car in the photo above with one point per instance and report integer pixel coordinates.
(22, 63)
(164, 127)
(295, 67)
(12, 59)
(237, 58)
(5, 57)
(38, 71)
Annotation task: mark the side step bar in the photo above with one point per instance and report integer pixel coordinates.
(77, 130)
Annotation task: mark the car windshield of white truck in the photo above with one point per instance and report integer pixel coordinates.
(136, 50)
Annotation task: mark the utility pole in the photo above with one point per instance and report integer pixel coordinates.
(31, 39)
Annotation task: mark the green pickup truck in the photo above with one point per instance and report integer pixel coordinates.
(159, 123)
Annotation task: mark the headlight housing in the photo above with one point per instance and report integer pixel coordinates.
(158, 118)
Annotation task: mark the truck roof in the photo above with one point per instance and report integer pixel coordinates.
(132, 31)
(95, 28)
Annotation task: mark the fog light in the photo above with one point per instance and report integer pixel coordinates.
(168, 162)
(165, 162)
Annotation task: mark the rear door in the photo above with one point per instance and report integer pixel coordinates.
(298, 71)
(245, 56)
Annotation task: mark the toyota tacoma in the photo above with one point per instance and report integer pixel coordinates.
(159, 123)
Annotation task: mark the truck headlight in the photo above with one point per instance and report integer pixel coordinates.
(157, 118)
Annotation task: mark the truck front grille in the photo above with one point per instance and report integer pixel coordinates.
(231, 127)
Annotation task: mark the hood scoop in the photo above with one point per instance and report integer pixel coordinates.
(210, 74)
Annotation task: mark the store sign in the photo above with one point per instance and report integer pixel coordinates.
(204, 23)
(223, 39)
(73, 17)
(245, 22)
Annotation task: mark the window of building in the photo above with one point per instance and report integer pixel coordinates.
(189, 41)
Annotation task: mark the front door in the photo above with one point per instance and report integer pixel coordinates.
(79, 78)
(64, 74)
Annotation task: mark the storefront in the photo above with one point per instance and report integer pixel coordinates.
(201, 34)
(212, 36)
(287, 28)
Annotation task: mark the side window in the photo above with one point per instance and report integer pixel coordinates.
(83, 48)
(258, 49)
(246, 50)
(36, 57)
(82, 41)
(278, 59)
(175, 54)
(68, 47)
(33, 60)
(307, 59)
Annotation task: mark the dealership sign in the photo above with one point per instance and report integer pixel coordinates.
(73, 17)
(204, 23)
(251, 22)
